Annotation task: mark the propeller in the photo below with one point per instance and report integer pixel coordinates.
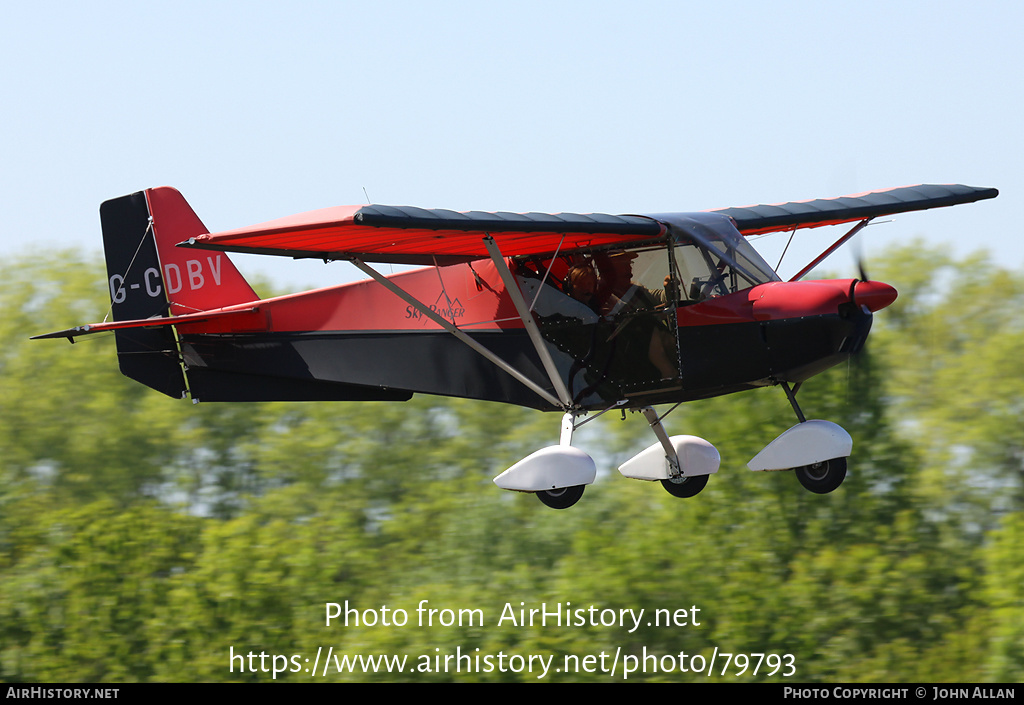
(861, 269)
(872, 295)
(864, 291)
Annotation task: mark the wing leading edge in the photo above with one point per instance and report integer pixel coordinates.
(754, 220)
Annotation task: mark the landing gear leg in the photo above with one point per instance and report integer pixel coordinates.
(677, 484)
(659, 430)
(791, 395)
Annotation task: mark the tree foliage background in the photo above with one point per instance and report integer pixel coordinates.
(144, 538)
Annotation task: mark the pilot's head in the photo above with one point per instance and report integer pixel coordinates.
(621, 262)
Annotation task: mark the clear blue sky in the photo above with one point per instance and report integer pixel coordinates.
(256, 110)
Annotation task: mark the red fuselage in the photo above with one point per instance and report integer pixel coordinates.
(359, 340)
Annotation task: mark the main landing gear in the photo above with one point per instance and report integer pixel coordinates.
(681, 463)
(815, 450)
(558, 474)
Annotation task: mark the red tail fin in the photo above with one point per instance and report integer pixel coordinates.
(193, 281)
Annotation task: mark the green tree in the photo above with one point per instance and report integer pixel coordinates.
(144, 538)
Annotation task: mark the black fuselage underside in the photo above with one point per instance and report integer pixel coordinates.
(389, 365)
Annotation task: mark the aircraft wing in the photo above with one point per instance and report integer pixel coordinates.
(753, 220)
(408, 235)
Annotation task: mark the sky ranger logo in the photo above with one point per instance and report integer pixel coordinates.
(452, 310)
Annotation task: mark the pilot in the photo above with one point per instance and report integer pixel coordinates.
(618, 293)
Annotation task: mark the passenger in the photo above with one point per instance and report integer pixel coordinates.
(581, 284)
(548, 301)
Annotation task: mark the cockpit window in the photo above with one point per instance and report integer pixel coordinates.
(713, 258)
(703, 272)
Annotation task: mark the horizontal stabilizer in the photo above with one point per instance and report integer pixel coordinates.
(90, 328)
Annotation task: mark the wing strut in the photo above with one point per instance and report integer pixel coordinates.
(455, 330)
(531, 325)
(835, 246)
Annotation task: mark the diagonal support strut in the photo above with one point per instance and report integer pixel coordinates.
(456, 331)
(531, 325)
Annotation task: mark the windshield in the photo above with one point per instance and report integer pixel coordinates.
(712, 258)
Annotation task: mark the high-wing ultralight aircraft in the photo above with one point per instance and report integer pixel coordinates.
(582, 314)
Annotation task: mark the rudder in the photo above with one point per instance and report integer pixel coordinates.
(147, 355)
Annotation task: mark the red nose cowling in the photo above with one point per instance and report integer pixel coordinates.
(874, 295)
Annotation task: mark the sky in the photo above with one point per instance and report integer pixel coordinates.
(258, 110)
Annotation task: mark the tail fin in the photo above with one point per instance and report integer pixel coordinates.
(148, 277)
(193, 282)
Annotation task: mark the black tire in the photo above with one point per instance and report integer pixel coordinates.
(685, 486)
(562, 498)
(823, 477)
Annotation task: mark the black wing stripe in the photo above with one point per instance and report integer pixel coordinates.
(765, 218)
(439, 219)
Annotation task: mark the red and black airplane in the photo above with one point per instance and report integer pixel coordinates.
(568, 312)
